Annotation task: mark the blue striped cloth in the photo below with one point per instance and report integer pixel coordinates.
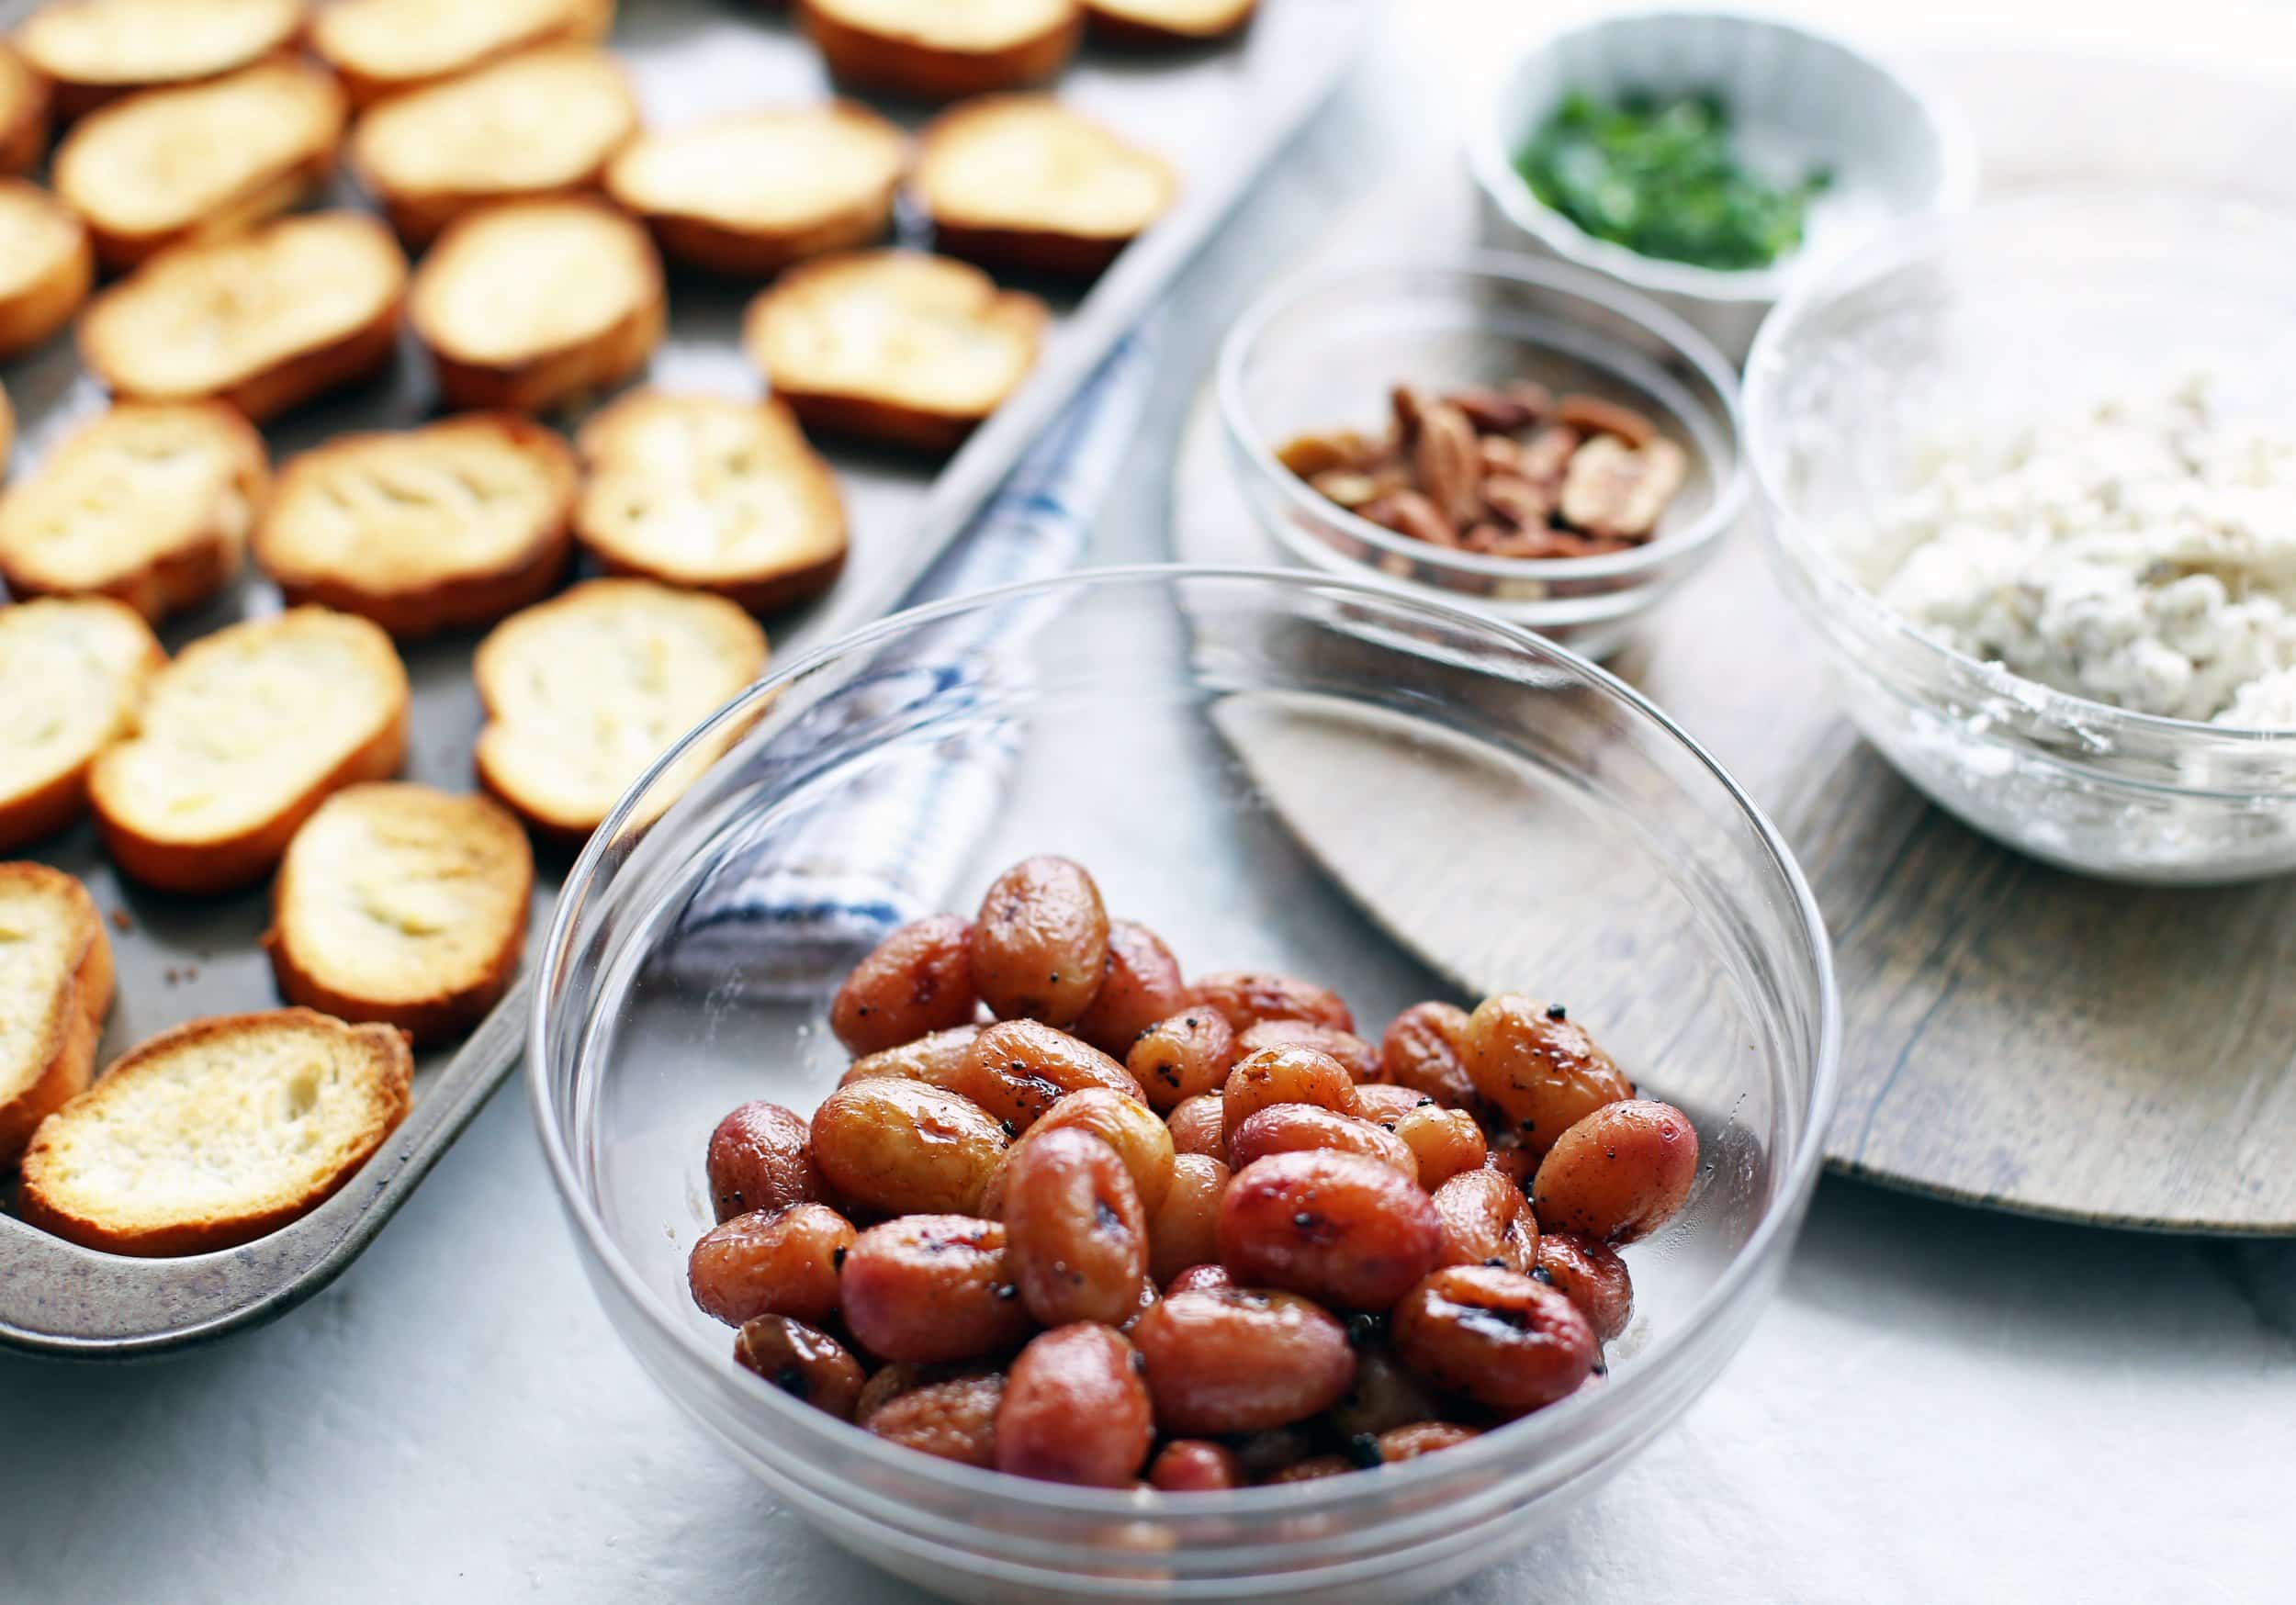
(778, 920)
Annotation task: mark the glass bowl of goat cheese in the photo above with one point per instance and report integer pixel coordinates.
(2030, 476)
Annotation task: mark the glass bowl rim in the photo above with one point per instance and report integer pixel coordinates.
(1926, 238)
(1495, 176)
(800, 1425)
(1731, 496)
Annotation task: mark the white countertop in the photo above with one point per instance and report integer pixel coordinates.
(1941, 1405)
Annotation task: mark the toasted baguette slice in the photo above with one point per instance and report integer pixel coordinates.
(1020, 179)
(55, 989)
(543, 122)
(583, 691)
(147, 502)
(73, 675)
(754, 193)
(262, 321)
(712, 495)
(1168, 22)
(386, 47)
(243, 738)
(199, 163)
(217, 1132)
(94, 50)
(892, 344)
(531, 303)
(940, 50)
(403, 906)
(46, 265)
(23, 114)
(424, 530)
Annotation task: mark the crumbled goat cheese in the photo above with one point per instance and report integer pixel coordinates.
(2143, 555)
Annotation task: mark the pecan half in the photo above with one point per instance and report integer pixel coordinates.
(1310, 454)
(1501, 455)
(1407, 513)
(1410, 405)
(1618, 491)
(1500, 412)
(1345, 486)
(1530, 393)
(1518, 501)
(1449, 463)
(1548, 453)
(1592, 415)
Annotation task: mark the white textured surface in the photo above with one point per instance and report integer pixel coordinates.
(1941, 1405)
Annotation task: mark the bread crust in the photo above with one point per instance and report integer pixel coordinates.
(1004, 233)
(298, 99)
(714, 248)
(24, 109)
(45, 1200)
(346, 346)
(71, 1020)
(719, 239)
(448, 598)
(881, 406)
(7, 432)
(1035, 249)
(358, 355)
(39, 302)
(1143, 23)
(44, 809)
(452, 1001)
(222, 859)
(213, 535)
(740, 648)
(419, 207)
(369, 80)
(550, 368)
(544, 381)
(92, 51)
(907, 61)
(245, 857)
(614, 445)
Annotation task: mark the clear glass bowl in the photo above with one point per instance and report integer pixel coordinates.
(1321, 354)
(2020, 311)
(1203, 739)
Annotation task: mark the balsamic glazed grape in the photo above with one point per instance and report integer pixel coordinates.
(1188, 1238)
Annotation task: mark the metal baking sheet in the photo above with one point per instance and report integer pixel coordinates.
(1218, 114)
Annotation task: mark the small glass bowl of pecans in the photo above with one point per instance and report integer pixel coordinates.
(1517, 433)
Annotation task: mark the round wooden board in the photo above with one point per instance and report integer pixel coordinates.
(2016, 1036)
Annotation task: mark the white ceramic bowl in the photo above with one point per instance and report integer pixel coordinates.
(1799, 100)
